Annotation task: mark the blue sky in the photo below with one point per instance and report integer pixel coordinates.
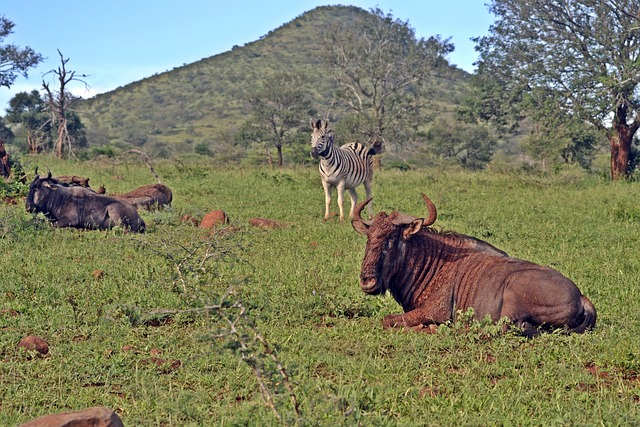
(116, 42)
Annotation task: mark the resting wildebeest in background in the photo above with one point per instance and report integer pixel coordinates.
(149, 197)
(80, 181)
(434, 274)
(80, 207)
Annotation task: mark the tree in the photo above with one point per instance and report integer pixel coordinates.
(470, 145)
(28, 109)
(578, 60)
(14, 60)
(60, 103)
(279, 105)
(382, 71)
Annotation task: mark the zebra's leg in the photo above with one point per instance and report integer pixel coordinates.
(327, 198)
(367, 189)
(340, 188)
(354, 200)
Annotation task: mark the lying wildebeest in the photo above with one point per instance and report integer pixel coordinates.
(80, 207)
(80, 181)
(434, 274)
(149, 197)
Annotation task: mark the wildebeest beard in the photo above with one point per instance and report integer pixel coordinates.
(377, 270)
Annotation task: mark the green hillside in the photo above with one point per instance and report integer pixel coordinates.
(203, 102)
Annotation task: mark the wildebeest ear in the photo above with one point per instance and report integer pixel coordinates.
(412, 228)
(47, 184)
(360, 226)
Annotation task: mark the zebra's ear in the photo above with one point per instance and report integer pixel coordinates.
(330, 136)
(325, 124)
(314, 124)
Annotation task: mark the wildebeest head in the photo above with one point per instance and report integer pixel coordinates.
(387, 236)
(321, 138)
(38, 190)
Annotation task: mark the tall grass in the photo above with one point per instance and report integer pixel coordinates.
(139, 338)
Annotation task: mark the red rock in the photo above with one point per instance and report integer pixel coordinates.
(264, 223)
(188, 219)
(10, 312)
(214, 218)
(33, 342)
(98, 274)
(98, 416)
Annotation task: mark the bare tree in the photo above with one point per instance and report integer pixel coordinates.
(382, 70)
(60, 102)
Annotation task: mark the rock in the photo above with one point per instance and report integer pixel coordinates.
(97, 416)
(189, 220)
(264, 223)
(98, 274)
(214, 218)
(9, 312)
(34, 343)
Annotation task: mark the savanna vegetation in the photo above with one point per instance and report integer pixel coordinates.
(182, 326)
(250, 326)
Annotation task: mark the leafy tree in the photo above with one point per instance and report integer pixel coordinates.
(279, 106)
(203, 149)
(470, 145)
(14, 60)
(5, 133)
(382, 71)
(557, 140)
(28, 109)
(577, 60)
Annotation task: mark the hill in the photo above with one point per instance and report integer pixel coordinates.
(203, 102)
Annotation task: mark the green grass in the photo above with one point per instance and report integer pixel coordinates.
(299, 285)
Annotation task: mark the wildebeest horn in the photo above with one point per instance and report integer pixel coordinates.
(433, 213)
(358, 210)
(48, 173)
(401, 218)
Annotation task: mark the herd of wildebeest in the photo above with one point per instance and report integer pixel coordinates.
(432, 274)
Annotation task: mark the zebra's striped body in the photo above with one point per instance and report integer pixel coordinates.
(344, 168)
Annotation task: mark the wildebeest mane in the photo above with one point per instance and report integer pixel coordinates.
(459, 238)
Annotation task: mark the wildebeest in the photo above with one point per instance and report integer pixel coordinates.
(149, 197)
(80, 207)
(80, 181)
(434, 274)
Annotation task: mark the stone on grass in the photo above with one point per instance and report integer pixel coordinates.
(34, 343)
(214, 218)
(265, 223)
(98, 416)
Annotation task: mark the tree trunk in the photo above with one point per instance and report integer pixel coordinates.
(5, 168)
(280, 161)
(33, 146)
(620, 141)
(268, 153)
(62, 135)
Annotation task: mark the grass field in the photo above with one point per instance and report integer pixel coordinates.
(181, 327)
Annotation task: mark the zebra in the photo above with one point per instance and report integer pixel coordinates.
(343, 168)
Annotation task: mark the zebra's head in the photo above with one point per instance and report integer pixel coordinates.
(321, 138)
